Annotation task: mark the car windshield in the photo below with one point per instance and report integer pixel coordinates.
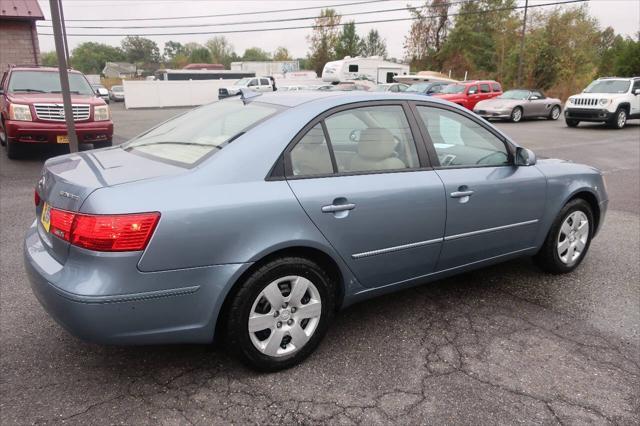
(117, 89)
(453, 88)
(419, 87)
(191, 136)
(242, 82)
(608, 86)
(47, 82)
(515, 94)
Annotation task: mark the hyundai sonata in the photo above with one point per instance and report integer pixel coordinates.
(253, 219)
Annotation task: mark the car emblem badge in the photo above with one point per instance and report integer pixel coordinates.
(68, 195)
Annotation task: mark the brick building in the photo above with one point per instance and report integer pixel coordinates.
(18, 33)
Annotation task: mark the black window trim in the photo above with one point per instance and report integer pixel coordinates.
(282, 169)
(433, 155)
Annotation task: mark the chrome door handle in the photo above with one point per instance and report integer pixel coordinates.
(333, 208)
(460, 194)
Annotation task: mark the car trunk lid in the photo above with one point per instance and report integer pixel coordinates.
(67, 181)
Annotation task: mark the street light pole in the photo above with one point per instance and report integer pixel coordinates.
(56, 6)
(524, 30)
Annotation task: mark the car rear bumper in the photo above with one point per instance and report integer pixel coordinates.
(588, 114)
(48, 132)
(184, 313)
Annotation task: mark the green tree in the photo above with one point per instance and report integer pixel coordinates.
(49, 59)
(373, 45)
(282, 54)
(428, 32)
(627, 61)
(90, 57)
(255, 54)
(201, 55)
(140, 50)
(173, 49)
(323, 39)
(348, 41)
(221, 51)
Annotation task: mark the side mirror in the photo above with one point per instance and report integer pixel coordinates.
(472, 92)
(635, 91)
(525, 157)
(533, 98)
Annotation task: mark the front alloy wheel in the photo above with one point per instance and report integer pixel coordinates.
(573, 237)
(516, 114)
(619, 119)
(280, 313)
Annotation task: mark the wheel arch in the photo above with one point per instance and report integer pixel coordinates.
(321, 257)
(592, 200)
(626, 106)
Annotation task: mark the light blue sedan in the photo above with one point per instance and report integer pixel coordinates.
(253, 219)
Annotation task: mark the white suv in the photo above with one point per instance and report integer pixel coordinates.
(612, 100)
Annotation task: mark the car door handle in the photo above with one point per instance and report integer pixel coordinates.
(460, 194)
(333, 208)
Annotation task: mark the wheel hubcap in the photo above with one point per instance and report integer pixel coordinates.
(622, 118)
(517, 115)
(555, 113)
(284, 316)
(573, 237)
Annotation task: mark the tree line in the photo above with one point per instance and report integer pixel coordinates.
(564, 47)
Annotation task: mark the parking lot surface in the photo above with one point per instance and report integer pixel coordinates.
(502, 345)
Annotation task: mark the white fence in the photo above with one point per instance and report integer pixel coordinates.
(158, 94)
(161, 93)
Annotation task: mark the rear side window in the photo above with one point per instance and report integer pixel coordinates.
(372, 139)
(264, 82)
(188, 138)
(484, 88)
(311, 155)
(496, 87)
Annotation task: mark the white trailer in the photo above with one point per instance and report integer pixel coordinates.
(266, 67)
(373, 68)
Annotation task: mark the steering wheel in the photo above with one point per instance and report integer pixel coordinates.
(484, 159)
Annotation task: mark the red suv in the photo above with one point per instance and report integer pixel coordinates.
(31, 110)
(469, 93)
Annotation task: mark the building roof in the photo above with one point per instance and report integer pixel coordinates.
(200, 66)
(120, 67)
(20, 10)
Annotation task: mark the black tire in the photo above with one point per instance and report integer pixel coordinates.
(14, 150)
(572, 123)
(105, 144)
(619, 119)
(3, 134)
(516, 115)
(548, 258)
(553, 110)
(236, 336)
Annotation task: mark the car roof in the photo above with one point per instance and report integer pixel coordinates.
(336, 98)
(42, 69)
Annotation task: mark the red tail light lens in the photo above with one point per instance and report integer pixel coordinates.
(125, 232)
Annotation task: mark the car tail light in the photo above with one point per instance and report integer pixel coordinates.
(122, 232)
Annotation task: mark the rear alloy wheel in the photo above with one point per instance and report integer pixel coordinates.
(280, 313)
(555, 113)
(572, 123)
(619, 119)
(516, 114)
(568, 240)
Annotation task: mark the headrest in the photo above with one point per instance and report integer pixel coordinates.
(314, 136)
(376, 144)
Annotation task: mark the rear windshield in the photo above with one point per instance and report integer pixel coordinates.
(190, 137)
(47, 82)
(608, 86)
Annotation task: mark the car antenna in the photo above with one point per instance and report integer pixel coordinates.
(247, 95)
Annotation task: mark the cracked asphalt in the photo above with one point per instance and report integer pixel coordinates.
(502, 345)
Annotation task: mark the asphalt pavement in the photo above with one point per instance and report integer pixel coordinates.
(502, 345)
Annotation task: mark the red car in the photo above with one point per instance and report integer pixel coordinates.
(31, 110)
(469, 93)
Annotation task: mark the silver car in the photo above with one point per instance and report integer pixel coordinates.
(254, 219)
(519, 104)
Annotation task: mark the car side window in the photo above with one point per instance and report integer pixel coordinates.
(252, 83)
(537, 94)
(496, 87)
(460, 141)
(264, 82)
(473, 90)
(484, 88)
(311, 155)
(636, 85)
(369, 139)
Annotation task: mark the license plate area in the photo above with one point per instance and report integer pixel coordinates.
(45, 217)
(62, 139)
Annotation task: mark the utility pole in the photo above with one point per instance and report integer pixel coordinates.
(524, 30)
(56, 7)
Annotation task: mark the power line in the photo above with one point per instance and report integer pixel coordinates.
(231, 14)
(377, 21)
(266, 21)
